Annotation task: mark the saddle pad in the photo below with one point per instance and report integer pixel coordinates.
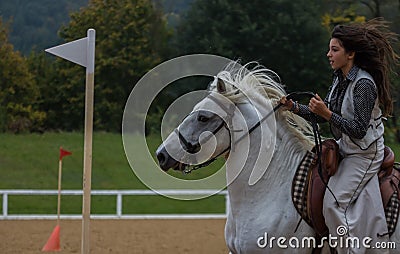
(392, 212)
(300, 186)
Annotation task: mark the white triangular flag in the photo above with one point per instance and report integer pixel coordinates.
(74, 51)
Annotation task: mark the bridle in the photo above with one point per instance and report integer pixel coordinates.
(186, 169)
(230, 111)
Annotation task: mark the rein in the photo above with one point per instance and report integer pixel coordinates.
(186, 169)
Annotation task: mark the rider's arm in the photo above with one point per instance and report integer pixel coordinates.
(305, 112)
(364, 100)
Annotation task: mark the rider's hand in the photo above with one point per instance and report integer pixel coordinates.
(318, 107)
(286, 104)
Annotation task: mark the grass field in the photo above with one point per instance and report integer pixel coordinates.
(30, 161)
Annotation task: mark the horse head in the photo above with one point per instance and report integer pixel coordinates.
(204, 134)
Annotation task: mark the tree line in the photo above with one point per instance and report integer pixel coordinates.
(41, 93)
(36, 23)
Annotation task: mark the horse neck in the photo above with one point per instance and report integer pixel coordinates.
(290, 148)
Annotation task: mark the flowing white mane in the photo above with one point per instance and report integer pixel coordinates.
(243, 81)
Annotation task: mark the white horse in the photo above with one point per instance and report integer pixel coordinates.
(261, 216)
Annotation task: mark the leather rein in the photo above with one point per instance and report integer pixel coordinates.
(186, 169)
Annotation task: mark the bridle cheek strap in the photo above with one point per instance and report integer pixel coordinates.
(229, 116)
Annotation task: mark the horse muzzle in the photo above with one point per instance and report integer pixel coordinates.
(165, 161)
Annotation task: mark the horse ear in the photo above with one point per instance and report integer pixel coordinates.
(221, 88)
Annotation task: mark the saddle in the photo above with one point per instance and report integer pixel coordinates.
(309, 185)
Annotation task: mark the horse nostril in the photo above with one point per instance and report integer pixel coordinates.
(165, 161)
(161, 158)
(193, 148)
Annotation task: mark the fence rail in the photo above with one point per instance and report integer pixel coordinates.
(118, 211)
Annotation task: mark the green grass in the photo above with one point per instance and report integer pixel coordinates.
(30, 161)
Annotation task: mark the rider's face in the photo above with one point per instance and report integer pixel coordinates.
(338, 57)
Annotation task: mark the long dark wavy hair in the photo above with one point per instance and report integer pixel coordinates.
(372, 43)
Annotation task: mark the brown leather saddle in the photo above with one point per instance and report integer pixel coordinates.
(308, 188)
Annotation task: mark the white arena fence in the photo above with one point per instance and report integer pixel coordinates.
(118, 211)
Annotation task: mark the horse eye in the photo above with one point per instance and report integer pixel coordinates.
(201, 118)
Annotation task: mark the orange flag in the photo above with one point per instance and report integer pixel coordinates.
(64, 153)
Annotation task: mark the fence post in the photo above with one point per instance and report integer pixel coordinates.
(119, 204)
(5, 205)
